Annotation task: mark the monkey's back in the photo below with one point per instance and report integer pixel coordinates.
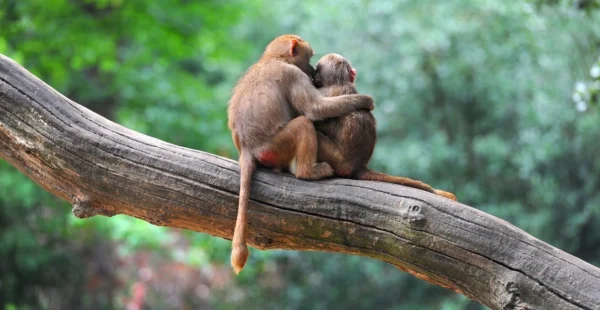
(354, 133)
(255, 112)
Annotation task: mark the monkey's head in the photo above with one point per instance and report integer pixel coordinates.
(333, 69)
(291, 49)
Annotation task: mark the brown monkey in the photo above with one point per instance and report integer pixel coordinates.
(270, 116)
(347, 142)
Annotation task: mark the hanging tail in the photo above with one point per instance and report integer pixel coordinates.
(239, 251)
(371, 175)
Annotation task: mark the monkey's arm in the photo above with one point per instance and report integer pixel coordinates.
(307, 100)
(330, 107)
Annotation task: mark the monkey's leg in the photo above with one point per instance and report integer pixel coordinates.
(299, 139)
(330, 153)
(328, 128)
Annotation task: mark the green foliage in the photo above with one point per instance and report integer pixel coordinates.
(38, 247)
(148, 64)
(481, 98)
(588, 92)
(151, 66)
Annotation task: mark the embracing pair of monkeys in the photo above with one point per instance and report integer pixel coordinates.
(274, 110)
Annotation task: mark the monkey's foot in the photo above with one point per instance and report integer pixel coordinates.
(318, 171)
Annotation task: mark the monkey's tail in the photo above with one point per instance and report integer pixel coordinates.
(371, 175)
(239, 251)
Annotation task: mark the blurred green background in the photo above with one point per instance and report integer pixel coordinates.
(496, 101)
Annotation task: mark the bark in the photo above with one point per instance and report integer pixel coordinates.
(103, 168)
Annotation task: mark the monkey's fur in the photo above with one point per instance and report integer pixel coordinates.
(271, 114)
(347, 142)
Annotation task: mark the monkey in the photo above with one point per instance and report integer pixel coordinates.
(271, 113)
(347, 142)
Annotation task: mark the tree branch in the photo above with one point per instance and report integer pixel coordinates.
(104, 169)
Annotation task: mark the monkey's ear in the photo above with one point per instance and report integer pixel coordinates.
(352, 75)
(293, 44)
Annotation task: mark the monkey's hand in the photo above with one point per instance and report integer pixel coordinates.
(328, 107)
(364, 102)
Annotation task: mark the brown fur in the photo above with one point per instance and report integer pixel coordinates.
(347, 142)
(270, 115)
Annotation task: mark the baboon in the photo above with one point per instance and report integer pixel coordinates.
(347, 142)
(271, 114)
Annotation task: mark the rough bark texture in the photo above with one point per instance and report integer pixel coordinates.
(104, 169)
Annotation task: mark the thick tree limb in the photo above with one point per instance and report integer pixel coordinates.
(103, 168)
